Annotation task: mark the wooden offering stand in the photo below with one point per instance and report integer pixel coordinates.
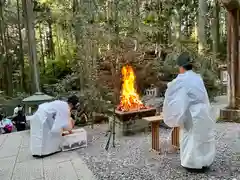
(155, 123)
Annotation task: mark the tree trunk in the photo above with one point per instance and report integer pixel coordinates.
(77, 18)
(187, 28)
(21, 55)
(32, 51)
(41, 49)
(160, 25)
(3, 51)
(78, 32)
(9, 66)
(216, 27)
(51, 53)
(202, 11)
(109, 21)
(50, 40)
(7, 62)
(50, 44)
(177, 28)
(135, 20)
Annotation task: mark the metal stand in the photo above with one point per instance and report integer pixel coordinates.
(111, 132)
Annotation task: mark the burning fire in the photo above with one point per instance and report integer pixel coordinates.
(130, 100)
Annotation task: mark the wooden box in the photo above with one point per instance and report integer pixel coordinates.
(77, 139)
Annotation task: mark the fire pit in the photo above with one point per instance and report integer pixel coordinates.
(131, 109)
(126, 116)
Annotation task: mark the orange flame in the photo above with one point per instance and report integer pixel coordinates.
(130, 100)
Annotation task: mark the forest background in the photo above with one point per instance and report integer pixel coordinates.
(65, 46)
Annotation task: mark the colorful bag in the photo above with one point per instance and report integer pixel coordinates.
(7, 125)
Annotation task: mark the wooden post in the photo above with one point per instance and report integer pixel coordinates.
(232, 112)
(175, 138)
(155, 136)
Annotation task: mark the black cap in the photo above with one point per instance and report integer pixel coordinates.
(184, 59)
(73, 100)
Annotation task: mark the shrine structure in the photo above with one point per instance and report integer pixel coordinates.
(232, 111)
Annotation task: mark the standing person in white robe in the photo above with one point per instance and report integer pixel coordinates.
(187, 106)
(48, 124)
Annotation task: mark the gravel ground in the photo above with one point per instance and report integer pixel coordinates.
(131, 159)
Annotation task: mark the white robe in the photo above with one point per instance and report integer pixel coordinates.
(186, 105)
(46, 127)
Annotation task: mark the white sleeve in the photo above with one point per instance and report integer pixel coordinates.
(62, 118)
(175, 104)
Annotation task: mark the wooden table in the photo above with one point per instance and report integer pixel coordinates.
(155, 123)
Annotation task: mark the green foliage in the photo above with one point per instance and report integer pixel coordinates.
(206, 65)
(75, 37)
(55, 70)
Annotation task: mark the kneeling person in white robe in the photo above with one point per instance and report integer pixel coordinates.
(47, 125)
(187, 106)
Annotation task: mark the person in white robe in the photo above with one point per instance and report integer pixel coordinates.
(186, 105)
(47, 125)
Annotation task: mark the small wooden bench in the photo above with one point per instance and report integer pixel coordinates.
(155, 123)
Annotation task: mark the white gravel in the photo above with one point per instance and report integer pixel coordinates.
(131, 159)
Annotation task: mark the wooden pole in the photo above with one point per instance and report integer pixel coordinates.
(175, 138)
(155, 136)
(232, 112)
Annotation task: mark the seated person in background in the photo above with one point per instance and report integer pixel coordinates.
(186, 105)
(19, 120)
(16, 109)
(1, 114)
(48, 123)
